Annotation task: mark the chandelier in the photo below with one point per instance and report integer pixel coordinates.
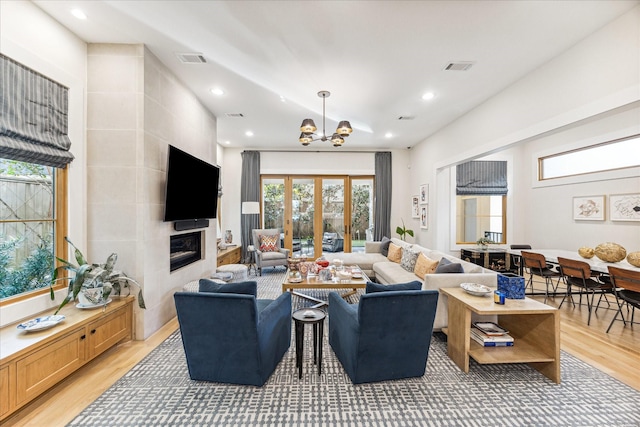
(308, 128)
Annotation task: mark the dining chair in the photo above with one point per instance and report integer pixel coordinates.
(626, 288)
(536, 264)
(516, 260)
(578, 273)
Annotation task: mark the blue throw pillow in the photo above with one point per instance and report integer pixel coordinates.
(384, 247)
(377, 287)
(246, 288)
(446, 266)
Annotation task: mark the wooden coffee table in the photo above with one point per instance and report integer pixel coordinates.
(534, 326)
(314, 282)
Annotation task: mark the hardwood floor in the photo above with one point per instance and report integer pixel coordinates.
(616, 353)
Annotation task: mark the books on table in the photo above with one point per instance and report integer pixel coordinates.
(504, 340)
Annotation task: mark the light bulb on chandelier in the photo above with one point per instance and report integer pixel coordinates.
(308, 128)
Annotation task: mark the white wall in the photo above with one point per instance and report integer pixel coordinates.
(592, 79)
(31, 37)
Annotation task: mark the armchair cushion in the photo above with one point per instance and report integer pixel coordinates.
(269, 243)
(409, 286)
(245, 288)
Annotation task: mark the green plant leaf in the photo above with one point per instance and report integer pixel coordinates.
(410, 232)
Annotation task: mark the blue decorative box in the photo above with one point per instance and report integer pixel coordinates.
(512, 285)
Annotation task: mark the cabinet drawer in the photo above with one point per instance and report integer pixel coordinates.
(106, 332)
(44, 368)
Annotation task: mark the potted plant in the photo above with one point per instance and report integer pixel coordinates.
(94, 281)
(403, 231)
(483, 243)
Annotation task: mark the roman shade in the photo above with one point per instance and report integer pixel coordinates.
(484, 177)
(33, 116)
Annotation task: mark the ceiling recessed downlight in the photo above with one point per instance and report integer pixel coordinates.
(217, 91)
(248, 133)
(388, 135)
(79, 14)
(428, 95)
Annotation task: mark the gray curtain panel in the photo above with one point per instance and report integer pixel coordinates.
(33, 116)
(484, 177)
(382, 204)
(249, 192)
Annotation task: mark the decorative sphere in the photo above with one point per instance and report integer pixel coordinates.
(610, 252)
(634, 259)
(585, 252)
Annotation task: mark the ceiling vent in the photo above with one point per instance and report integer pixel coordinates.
(458, 66)
(406, 117)
(191, 58)
(234, 115)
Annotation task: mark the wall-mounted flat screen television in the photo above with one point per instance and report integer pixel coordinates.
(192, 187)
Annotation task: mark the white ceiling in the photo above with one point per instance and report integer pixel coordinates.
(376, 58)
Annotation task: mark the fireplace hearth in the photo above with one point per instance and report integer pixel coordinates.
(185, 249)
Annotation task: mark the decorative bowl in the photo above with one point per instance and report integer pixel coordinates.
(476, 289)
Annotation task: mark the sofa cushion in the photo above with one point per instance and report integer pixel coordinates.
(395, 253)
(384, 246)
(246, 288)
(391, 272)
(446, 266)
(269, 243)
(409, 286)
(408, 260)
(424, 265)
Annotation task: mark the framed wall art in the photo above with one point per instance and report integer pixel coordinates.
(415, 208)
(588, 208)
(424, 194)
(624, 207)
(424, 220)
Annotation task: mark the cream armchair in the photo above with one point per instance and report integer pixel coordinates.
(269, 250)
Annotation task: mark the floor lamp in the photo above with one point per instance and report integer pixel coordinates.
(251, 208)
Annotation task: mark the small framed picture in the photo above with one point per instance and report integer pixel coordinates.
(424, 220)
(588, 208)
(415, 208)
(424, 194)
(624, 207)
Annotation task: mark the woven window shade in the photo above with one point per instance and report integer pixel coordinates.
(483, 177)
(33, 116)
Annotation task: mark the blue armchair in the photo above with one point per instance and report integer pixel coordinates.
(386, 336)
(233, 337)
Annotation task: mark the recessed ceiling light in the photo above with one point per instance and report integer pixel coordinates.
(227, 142)
(217, 91)
(248, 133)
(78, 14)
(283, 99)
(428, 95)
(388, 135)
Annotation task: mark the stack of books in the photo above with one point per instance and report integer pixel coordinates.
(489, 334)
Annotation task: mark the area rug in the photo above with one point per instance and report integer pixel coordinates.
(158, 392)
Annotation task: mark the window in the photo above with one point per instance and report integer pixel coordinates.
(32, 226)
(480, 216)
(618, 154)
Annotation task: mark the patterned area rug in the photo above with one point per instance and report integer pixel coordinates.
(158, 392)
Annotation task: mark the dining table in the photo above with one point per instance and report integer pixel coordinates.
(551, 255)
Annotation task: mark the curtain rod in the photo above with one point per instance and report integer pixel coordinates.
(318, 151)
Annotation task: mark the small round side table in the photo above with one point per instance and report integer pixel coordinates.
(252, 264)
(314, 317)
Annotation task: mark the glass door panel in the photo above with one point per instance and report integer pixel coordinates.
(273, 190)
(302, 216)
(361, 213)
(333, 215)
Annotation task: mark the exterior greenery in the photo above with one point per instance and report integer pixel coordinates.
(34, 272)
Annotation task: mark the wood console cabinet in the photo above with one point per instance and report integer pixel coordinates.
(33, 362)
(230, 255)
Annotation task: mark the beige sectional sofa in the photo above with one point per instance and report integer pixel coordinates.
(378, 266)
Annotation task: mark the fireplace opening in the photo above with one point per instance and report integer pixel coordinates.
(185, 249)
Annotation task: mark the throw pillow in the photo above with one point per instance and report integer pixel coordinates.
(246, 288)
(384, 246)
(408, 261)
(446, 266)
(424, 265)
(269, 243)
(395, 253)
(377, 287)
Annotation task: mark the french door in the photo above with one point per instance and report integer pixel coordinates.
(316, 214)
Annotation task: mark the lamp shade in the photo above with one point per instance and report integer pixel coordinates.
(250, 208)
(344, 128)
(308, 126)
(337, 140)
